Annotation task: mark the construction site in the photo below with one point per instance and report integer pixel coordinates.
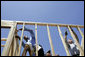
(13, 48)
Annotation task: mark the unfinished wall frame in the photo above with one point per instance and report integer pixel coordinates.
(11, 41)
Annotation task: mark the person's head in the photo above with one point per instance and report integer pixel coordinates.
(25, 37)
(57, 55)
(40, 45)
(70, 41)
(48, 53)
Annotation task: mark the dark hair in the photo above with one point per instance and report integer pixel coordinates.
(49, 51)
(40, 45)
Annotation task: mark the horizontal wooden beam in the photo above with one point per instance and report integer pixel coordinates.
(3, 39)
(44, 24)
(49, 24)
(6, 24)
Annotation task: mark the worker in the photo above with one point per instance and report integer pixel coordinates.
(30, 44)
(32, 35)
(40, 50)
(27, 46)
(71, 45)
(48, 53)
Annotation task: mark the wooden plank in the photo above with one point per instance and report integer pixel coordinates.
(50, 40)
(82, 41)
(78, 45)
(15, 46)
(36, 40)
(45, 24)
(9, 41)
(63, 41)
(6, 24)
(50, 24)
(11, 49)
(3, 39)
(16, 40)
(21, 40)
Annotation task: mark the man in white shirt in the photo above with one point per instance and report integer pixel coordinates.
(40, 50)
(27, 46)
(71, 45)
(48, 53)
(30, 41)
(30, 44)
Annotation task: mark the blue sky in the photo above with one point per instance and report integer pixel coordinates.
(63, 12)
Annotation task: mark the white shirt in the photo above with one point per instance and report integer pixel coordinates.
(73, 49)
(72, 45)
(39, 47)
(29, 43)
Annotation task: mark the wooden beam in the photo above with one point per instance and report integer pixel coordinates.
(10, 52)
(50, 40)
(50, 24)
(82, 41)
(9, 40)
(82, 44)
(6, 24)
(77, 43)
(16, 40)
(45, 24)
(11, 48)
(21, 40)
(36, 40)
(63, 41)
(3, 39)
(15, 46)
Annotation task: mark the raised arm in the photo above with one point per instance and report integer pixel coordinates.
(74, 34)
(66, 39)
(29, 30)
(66, 36)
(31, 33)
